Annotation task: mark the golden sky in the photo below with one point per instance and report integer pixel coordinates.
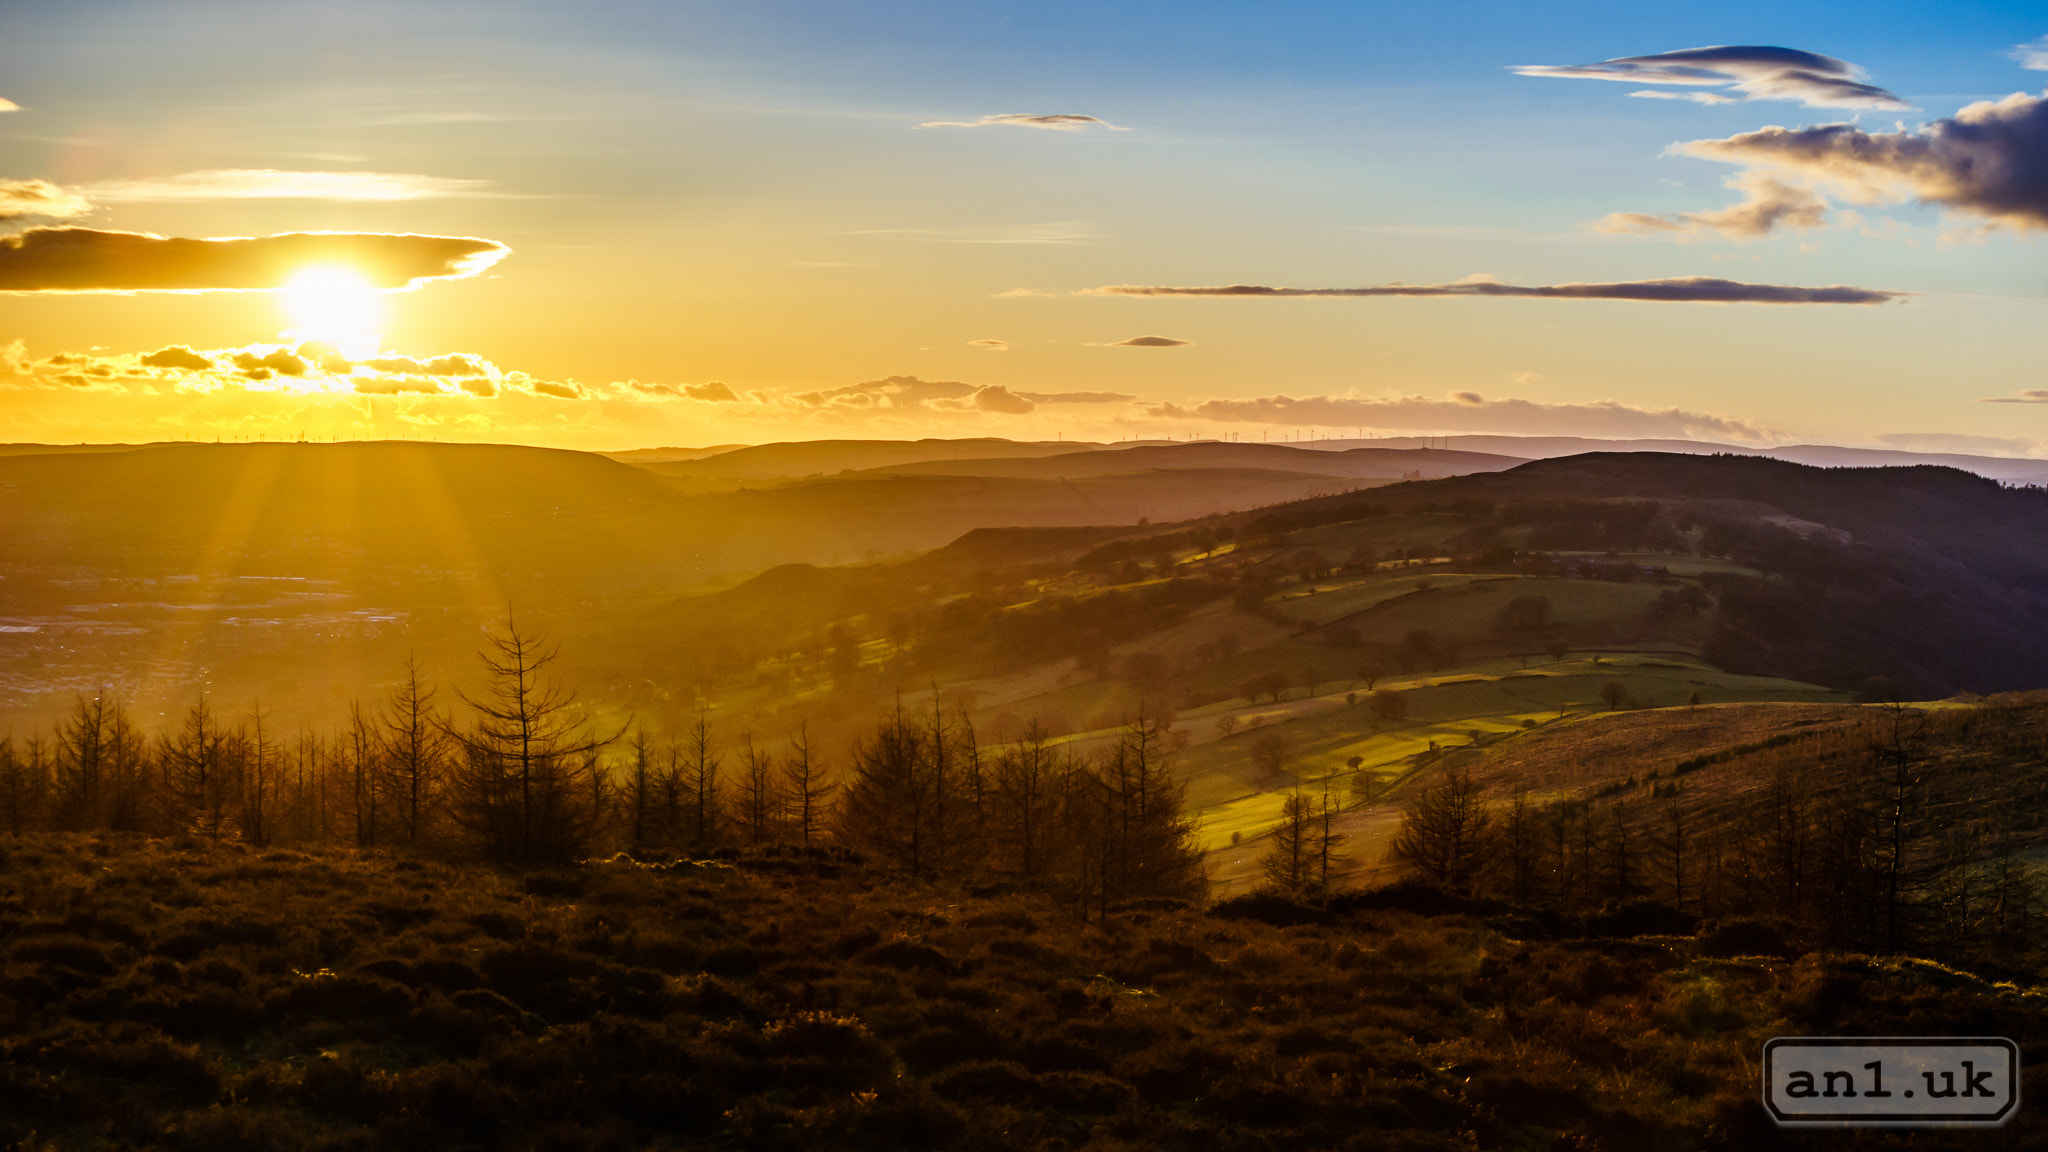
(631, 225)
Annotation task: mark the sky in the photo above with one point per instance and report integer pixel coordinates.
(626, 225)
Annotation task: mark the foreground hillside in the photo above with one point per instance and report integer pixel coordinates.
(184, 995)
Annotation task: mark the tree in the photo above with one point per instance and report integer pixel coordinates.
(416, 751)
(24, 785)
(808, 792)
(1028, 775)
(528, 784)
(1225, 725)
(1269, 752)
(1526, 614)
(760, 803)
(1521, 844)
(703, 811)
(1370, 672)
(1444, 834)
(195, 772)
(1286, 864)
(1389, 705)
(1615, 693)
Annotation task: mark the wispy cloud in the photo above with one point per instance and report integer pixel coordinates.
(1769, 202)
(990, 345)
(7, 105)
(1989, 160)
(88, 260)
(39, 200)
(1682, 289)
(2030, 396)
(1756, 72)
(1466, 412)
(2034, 56)
(276, 184)
(1057, 122)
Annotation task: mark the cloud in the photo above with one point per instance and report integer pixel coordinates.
(273, 184)
(2033, 56)
(310, 368)
(996, 398)
(1467, 412)
(176, 356)
(1148, 342)
(7, 105)
(2030, 396)
(1758, 72)
(38, 199)
(901, 392)
(1058, 122)
(88, 260)
(1077, 397)
(1022, 294)
(1681, 289)
(991, 345)
(1768, 203)
(1989, 160)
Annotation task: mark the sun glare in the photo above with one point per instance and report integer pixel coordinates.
(335, 305)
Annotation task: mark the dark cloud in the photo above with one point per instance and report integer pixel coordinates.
(1151, 342)
(1058, 121)
(1466, 412)
(88, 260)
(1077, 397)
(1757, 72)
(38, 200)
(1681, 289)
(176, 356)
(1989, 160)
(2030, 396)
(260, 367)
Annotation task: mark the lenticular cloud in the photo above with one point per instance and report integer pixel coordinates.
(1740, 72)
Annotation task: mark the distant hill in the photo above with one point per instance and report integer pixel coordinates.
(1931, 576)
(1363, 463)
(2013, 468)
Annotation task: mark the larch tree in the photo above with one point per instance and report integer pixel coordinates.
(528, 784)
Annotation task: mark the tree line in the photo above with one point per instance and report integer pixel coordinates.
(518, 774)
(1867, 838)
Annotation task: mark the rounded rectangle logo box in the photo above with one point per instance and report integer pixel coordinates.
(1891, 1081)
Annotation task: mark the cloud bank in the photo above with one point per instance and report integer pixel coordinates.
(1756, 72)
(89, 260)
(1057, 122)
(1989, 160)
(274, 184)
(1682, 289)
(1467, 412)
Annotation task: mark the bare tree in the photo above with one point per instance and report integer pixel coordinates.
(808, 792)
(703, 811)
(528, 784)
(1445, 832)
(760, 801)
(416, 751)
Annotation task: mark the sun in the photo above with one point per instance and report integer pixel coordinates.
(334, 305)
